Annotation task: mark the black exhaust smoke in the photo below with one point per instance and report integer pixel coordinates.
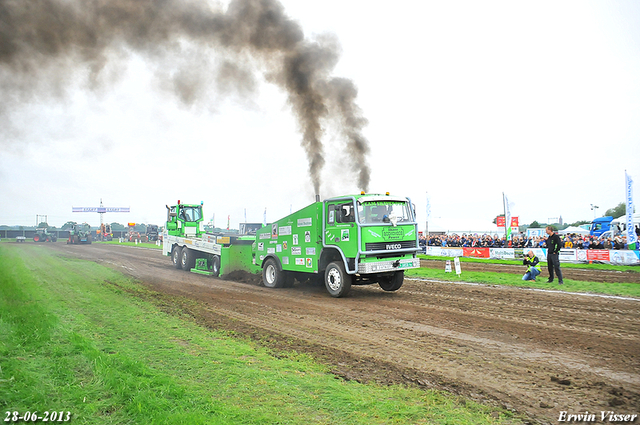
(44, 43)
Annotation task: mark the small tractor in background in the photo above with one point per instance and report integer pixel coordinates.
(79, 234)
(43, 235)
(152, 232)
(104, 233)
(133, 235)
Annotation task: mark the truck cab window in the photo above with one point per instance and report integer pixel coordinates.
(190, 214)
(346, 213)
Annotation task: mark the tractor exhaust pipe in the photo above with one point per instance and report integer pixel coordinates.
(317, 198)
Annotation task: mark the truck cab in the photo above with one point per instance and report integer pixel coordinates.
(600, 225)
(372, 232)
(185, 220)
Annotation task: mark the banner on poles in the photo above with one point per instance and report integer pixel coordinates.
(631, 231)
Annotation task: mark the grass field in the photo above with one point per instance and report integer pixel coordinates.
(76, 337)
(511, 279)
(594, 266)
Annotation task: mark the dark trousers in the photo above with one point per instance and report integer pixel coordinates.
(553, 264)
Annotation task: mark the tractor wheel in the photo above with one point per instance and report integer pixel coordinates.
(336, 279)
(54, 238)
(175, 256)
(36, 238)
(392, 282)
(215, 266)
(271, 276)
(187, 259)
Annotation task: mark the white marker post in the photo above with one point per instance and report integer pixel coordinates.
(447, 266)
(456, 261)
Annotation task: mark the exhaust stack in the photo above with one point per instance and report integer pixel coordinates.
(317, 198)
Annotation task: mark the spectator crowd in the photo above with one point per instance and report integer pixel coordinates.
(575, 241)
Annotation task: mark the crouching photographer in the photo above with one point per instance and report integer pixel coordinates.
(533, 267)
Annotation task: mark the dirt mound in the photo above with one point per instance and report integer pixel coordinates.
(243, 277)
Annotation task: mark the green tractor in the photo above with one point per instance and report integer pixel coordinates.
(43, 235)
(79, 234)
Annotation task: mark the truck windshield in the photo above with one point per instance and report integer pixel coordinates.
(384, 212)
(190, 214)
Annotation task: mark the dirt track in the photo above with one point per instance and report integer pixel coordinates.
(536, 352)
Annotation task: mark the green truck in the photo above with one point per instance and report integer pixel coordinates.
(348, 240)
(192, 249)
(342, 241)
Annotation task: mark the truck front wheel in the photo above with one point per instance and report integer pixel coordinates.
(271, 276)
(392, 282)
(336, 279)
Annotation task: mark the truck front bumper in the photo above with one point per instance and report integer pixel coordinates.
(388, 266)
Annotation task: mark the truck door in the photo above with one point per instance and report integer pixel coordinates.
(341, 229)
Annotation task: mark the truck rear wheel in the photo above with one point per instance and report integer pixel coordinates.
(336, 279)
(175, 256)
(215, 266)
(271, 276)
(187, 259)
(392, 282)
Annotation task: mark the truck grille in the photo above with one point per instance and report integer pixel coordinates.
(389, 246)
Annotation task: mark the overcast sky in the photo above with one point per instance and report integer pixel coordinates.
(464, 100)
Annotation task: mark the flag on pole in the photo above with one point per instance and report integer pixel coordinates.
(507, 218)
(632, 238)
(264, 217)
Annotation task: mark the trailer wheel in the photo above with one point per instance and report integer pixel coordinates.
(392, 282)
(187, 259)
(175, 256)
(271, 276)
(215, 266)
(336, 279)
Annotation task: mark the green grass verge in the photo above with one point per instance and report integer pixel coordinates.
(511, 279)
(595, 266)
(75, 337)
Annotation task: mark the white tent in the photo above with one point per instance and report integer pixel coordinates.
(573, 229)
(623, 219)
